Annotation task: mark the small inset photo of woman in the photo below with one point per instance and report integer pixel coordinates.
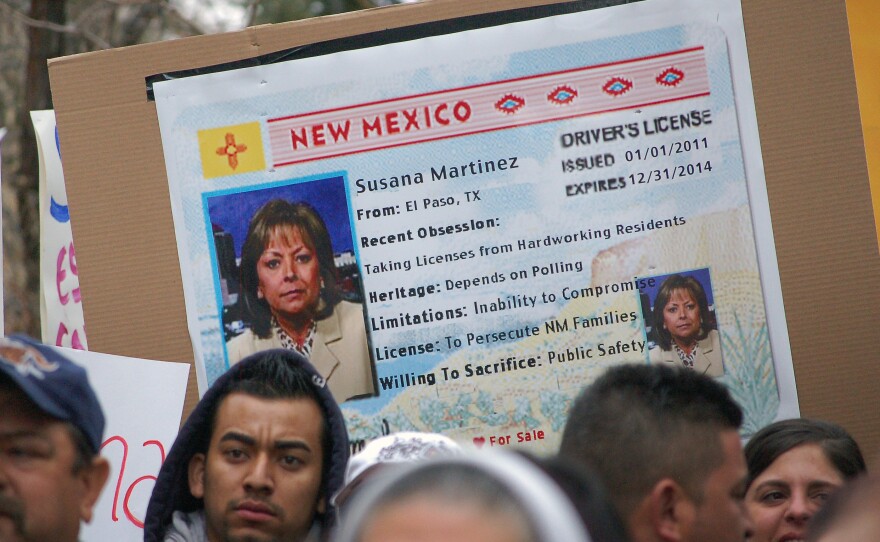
(287, 278)
(680, 323)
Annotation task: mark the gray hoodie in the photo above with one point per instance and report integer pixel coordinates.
(170, 513)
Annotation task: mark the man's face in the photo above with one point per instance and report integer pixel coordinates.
(721, 516)
(41, 498)
(261, 477)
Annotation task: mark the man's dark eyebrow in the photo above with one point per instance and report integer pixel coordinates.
(24, 433)
(279, 444)
(238, 437)
(13, 436)
(292, 445)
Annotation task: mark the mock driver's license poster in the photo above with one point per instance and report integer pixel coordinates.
(503, 213)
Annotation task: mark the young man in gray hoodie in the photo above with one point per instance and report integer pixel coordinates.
(258, 459)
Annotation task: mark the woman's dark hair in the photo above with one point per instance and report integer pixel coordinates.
(691, 285)
(772, 441)
(272, 216)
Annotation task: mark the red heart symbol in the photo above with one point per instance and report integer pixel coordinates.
(479, 441)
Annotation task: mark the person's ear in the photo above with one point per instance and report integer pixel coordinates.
(322, 504)
(672, 511)
(93, 477)
(196, 471)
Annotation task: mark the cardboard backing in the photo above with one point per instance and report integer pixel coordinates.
(814, 158)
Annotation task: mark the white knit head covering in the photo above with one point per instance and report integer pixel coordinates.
(550, 512)
(401, 447)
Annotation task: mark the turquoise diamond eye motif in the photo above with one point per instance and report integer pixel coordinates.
(617, 86)
(510, 104)
(670, 77)
(562, 95)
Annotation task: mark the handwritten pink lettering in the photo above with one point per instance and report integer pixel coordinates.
(61, 274)
(75, 341)
(125, 501)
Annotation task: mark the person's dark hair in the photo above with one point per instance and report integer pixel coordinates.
(587, 495)
(671, 284)
(770, 442)
(275, 215)
(271, 377)
(639, 423)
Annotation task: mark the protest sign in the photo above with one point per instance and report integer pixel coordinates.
(142, 402)
(806, 107)
(61, 314)
(515, 198)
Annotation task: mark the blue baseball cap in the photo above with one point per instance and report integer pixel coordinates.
(58, 386)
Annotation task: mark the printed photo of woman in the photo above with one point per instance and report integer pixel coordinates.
(290, 299)
(684, 327)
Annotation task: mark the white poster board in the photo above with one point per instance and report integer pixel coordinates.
(61, 315)
(142, 401)
(513, 197)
